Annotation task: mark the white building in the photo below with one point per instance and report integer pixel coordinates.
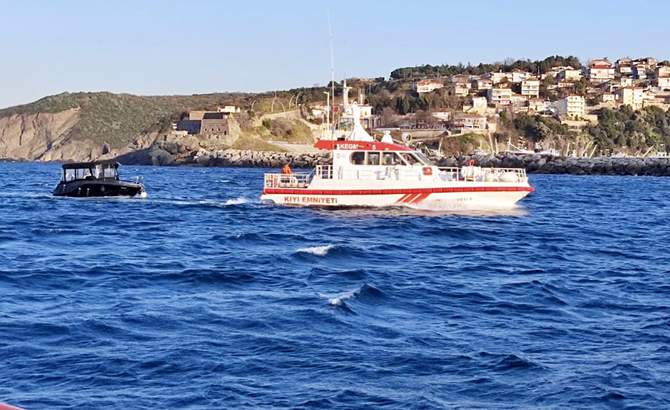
(518, 76)
(633, 96)
(499, 95)
(600, 71)
(539, 105)
(570, 74)
(427, 86)
(608, 98)
(470, 121)
(442, 115)
(497, 78)
(530, 87)
(483, 84)
(479, 104)
(571, 106)
(229, 109)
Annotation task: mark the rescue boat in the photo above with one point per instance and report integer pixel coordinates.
(367, 172)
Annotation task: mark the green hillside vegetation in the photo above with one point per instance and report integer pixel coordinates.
(286, 130)
(638, 130)
(445, 70)
(118, 118)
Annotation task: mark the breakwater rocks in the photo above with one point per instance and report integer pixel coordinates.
(165, 154)
(261, 159)
(568, 165)
(239, 158)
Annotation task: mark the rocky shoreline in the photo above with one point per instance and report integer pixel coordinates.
(568, 165)
(532, 164)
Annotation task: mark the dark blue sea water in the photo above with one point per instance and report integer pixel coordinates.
(200, 297)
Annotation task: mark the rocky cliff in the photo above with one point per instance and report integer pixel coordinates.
(35, 136)
(86, 126)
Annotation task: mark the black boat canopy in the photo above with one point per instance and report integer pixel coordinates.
(85, 165)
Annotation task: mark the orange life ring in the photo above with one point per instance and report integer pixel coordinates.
(471, 162)
(428, 171)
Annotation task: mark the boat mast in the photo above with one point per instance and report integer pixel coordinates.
(332, 75)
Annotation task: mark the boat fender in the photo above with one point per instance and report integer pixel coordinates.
(471, 162)
(427, 171)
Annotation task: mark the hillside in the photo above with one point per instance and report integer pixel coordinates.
(80, 126)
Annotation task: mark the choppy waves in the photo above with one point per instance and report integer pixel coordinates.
(201, 297)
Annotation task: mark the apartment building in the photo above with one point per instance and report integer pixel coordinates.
(470, 121)
(633, 96)
(530, 87)
(499, 95)
(571, 106)
(600, 71)
(427, 86)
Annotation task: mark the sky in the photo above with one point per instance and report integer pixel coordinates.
(167, 47)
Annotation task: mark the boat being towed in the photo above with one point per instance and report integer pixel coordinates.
(96, 179)
(366, 172)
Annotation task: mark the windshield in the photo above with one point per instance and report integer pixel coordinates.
(423, 159)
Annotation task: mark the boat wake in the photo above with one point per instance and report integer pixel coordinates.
(237, 201)
(463, 210)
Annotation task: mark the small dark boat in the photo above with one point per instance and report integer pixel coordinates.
(99, 178)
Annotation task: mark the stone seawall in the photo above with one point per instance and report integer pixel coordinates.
(230, 158)
(532, 164)
(569, 165)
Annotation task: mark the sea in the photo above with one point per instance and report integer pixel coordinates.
(202, 297)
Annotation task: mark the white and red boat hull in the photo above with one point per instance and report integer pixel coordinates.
(435, 197)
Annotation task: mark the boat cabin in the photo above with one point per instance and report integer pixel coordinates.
(354, 153)
(98, 170)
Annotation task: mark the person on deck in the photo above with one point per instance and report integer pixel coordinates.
(286, 169)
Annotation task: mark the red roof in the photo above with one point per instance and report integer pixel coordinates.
(359, 145)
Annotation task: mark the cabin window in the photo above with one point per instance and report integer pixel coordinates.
(373, 158)
(390, 158)
(83, 173)
(358, 158)
(69, 175)
(423, 159)
(109, 171)
(410, 158)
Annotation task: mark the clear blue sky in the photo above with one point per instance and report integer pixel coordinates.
(160, 47)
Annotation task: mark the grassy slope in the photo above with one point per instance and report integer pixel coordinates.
(118, 118)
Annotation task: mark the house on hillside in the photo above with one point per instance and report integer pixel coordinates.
(470, 121)
(570, 74)
(206, 123)
(633, 96)
(483, 84)
(539, 105)
(608, 98)
(530, 87)
(427, 86)
(600, 71)
(460, 89)
(499, 95)
(571, 106)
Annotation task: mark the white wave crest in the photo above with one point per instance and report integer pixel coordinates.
(317, 250)
(339, 299)
(237, 201)
(335, 302)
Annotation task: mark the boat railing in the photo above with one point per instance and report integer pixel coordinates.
(474, 173)
(294, 180)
